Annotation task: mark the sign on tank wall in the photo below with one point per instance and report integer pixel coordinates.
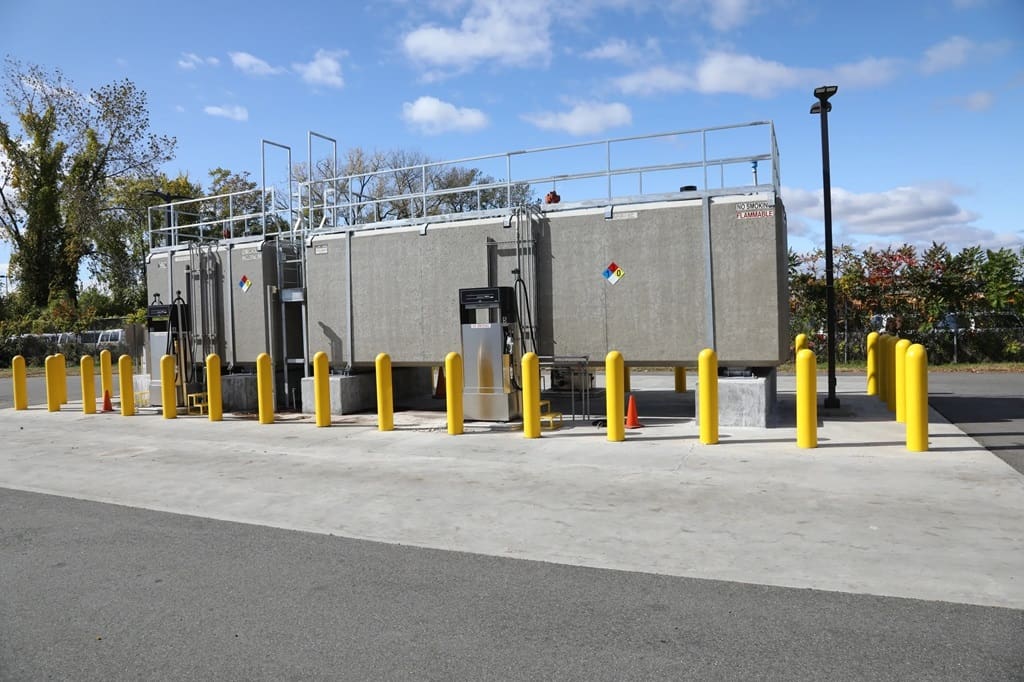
(755, 209)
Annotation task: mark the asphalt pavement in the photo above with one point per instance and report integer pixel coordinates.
(94, 591)
(142, 548)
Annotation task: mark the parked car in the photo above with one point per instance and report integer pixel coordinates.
(987, 321)
(109, 339)
(89, 339)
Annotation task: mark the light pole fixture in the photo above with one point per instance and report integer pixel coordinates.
(822, 107)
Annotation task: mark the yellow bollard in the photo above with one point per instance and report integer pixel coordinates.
(52, 377)
(806, 399)
(615, 396)
(106, 375)
(917, 398)
(62, 378)
(872, 353)
(880, 367)
(385, 396)
(799, 344)
(883, 367)
(453, 392)
(531, 395)
(214, 395)
(680, 379)
(322, 389)
(88, 384)
(890, 373)
(707, 380)
(265, 388)
(626, 384)
(168, 395)
(125, 379)
(20, 383)
(900, 372)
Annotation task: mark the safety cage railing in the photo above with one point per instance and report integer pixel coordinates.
(675, 165)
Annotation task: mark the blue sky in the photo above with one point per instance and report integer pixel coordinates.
(925, 130)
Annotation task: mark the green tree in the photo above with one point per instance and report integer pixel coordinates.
(31, 219)
(69, 148)
(121, 243)
(1001, 279)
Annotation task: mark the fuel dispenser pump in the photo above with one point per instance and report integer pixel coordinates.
(169, 326)
(491, 352)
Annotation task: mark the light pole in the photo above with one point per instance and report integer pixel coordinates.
(822, 107)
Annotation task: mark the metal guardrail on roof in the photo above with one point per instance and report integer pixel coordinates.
(674, 165)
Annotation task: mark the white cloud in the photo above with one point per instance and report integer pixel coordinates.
(742, 74)
(231, 111)
(509, 33)
(432, 116)
(619, 50)
(325, 69)
(903, 213)
(723, 72)
(957, 51)
(253, 65)
(863, 74)
(180, 109)
(982, 100)
(948, 54)
(614, 48)
(586, 118)
(654, 80)
(724, 15)
(190, 61)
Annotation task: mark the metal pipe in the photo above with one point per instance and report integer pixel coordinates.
(709, 280)
(349, 308)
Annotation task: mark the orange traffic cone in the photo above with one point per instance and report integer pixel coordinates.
(440, 391)
(107, 406)
(632, 421)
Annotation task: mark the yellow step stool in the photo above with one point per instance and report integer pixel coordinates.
(553, 419)
(196, 403)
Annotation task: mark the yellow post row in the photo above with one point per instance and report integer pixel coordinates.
(872, 353)
(265, 388)
(680, 373)
(531, 395)
(20, 382)
(88, 381)
(627, 384)
(799, 344)
(168, 396)
(899, 362)
(453, 392)
(322, 389)
(917, 398)
(214, 394)
(806, 399)
(707, 378)
(614, 378)
(106, 375)
(125, 379)
(62, 381)
(52, 377)
(385, 396)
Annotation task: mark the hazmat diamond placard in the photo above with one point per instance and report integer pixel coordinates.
(613, 273)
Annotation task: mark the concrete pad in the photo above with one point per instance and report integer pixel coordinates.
(858, 514)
